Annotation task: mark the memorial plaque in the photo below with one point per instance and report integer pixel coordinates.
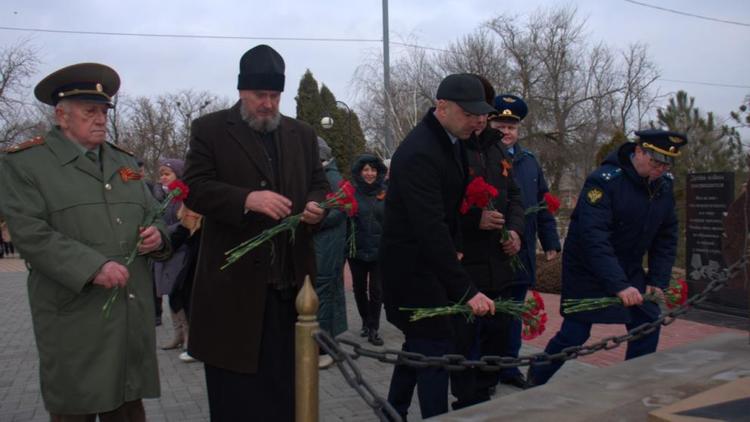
(708, 196)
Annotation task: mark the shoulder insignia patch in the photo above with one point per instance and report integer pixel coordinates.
(119, 148)
(25, 145)
(527, 152)
(610, 174)
(594, 195)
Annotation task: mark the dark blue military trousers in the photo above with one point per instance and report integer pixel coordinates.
(512, 344)
(431, 382)
(575, 333)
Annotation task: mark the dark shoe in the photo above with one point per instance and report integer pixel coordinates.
(364, 332)
(517, 381)
(374, 338)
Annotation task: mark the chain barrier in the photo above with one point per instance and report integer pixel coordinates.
(455, 362)
(353, 376)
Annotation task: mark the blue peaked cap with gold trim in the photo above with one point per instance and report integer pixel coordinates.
(661, 145)
(510, 107)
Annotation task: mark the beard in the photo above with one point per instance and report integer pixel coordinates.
(262, 125)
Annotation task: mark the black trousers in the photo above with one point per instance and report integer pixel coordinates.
(368, 295)
(267, 395)
(431, 383)
(483, 336)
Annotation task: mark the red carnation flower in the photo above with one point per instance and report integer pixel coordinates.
(179, 189)
(553, 202)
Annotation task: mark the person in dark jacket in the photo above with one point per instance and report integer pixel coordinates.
(421, 237)
(330, 254)
(248, 167)
(487, 259)
(186, 236)
(368, 174)
(530, 179)
(167, 272)
(625, 211)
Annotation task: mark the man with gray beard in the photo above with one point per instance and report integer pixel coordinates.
(248, 168)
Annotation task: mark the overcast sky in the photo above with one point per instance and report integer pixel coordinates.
(684, 48)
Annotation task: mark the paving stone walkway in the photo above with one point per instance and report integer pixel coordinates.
(183, 386)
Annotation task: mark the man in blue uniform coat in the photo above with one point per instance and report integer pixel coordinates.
(528, 175)
(625, 211)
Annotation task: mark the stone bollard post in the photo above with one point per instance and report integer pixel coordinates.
(306, 355)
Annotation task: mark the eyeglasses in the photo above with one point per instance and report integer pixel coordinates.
(658, 164)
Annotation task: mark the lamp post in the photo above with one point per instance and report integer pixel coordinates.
(188, 115)
(327, 121)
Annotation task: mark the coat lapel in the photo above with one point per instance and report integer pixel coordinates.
(286, 135)
(249, 142)
(67, 153)
(110, 165)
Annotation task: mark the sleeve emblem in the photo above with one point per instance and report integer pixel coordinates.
(594, 195)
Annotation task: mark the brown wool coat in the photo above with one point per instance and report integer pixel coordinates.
(225, 163)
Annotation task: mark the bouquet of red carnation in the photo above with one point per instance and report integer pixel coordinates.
(343, 199)
(535, 318)
(480, 194)
(531, 313)
(550, 203)
(176, 191)
(674, 296)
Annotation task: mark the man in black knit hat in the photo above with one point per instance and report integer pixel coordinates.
(249, 167)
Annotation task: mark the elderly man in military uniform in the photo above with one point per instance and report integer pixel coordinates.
(74, 204)
(625, 211)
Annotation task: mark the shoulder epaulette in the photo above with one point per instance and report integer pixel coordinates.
(119, 148)
(609, 172)
(526, 152)
(38, 140)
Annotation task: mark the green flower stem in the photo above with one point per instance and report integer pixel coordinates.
(288, 224)
(148, 220)
(510, 307)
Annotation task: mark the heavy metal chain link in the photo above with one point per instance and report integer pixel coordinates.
(455, 362)
(353, 377)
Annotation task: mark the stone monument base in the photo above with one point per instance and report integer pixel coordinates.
(626, 392)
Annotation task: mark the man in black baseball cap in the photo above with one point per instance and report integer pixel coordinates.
(467, 91)
(419, 259)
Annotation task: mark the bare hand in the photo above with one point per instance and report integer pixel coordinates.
(655, 290)
(550, 255)
(460, 255)
(312, 213)
(112, 274)
(491, 220)
(268, 203)
(151, 240)
(630, 296)
(513, 244)
(481, 304)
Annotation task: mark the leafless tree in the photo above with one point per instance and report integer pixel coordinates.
(19, 118)
(579, 93)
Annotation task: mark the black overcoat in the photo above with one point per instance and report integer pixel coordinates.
(484, 259)
(225, 163)
(421, 230)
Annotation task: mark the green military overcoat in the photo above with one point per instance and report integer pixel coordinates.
(68, 218)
